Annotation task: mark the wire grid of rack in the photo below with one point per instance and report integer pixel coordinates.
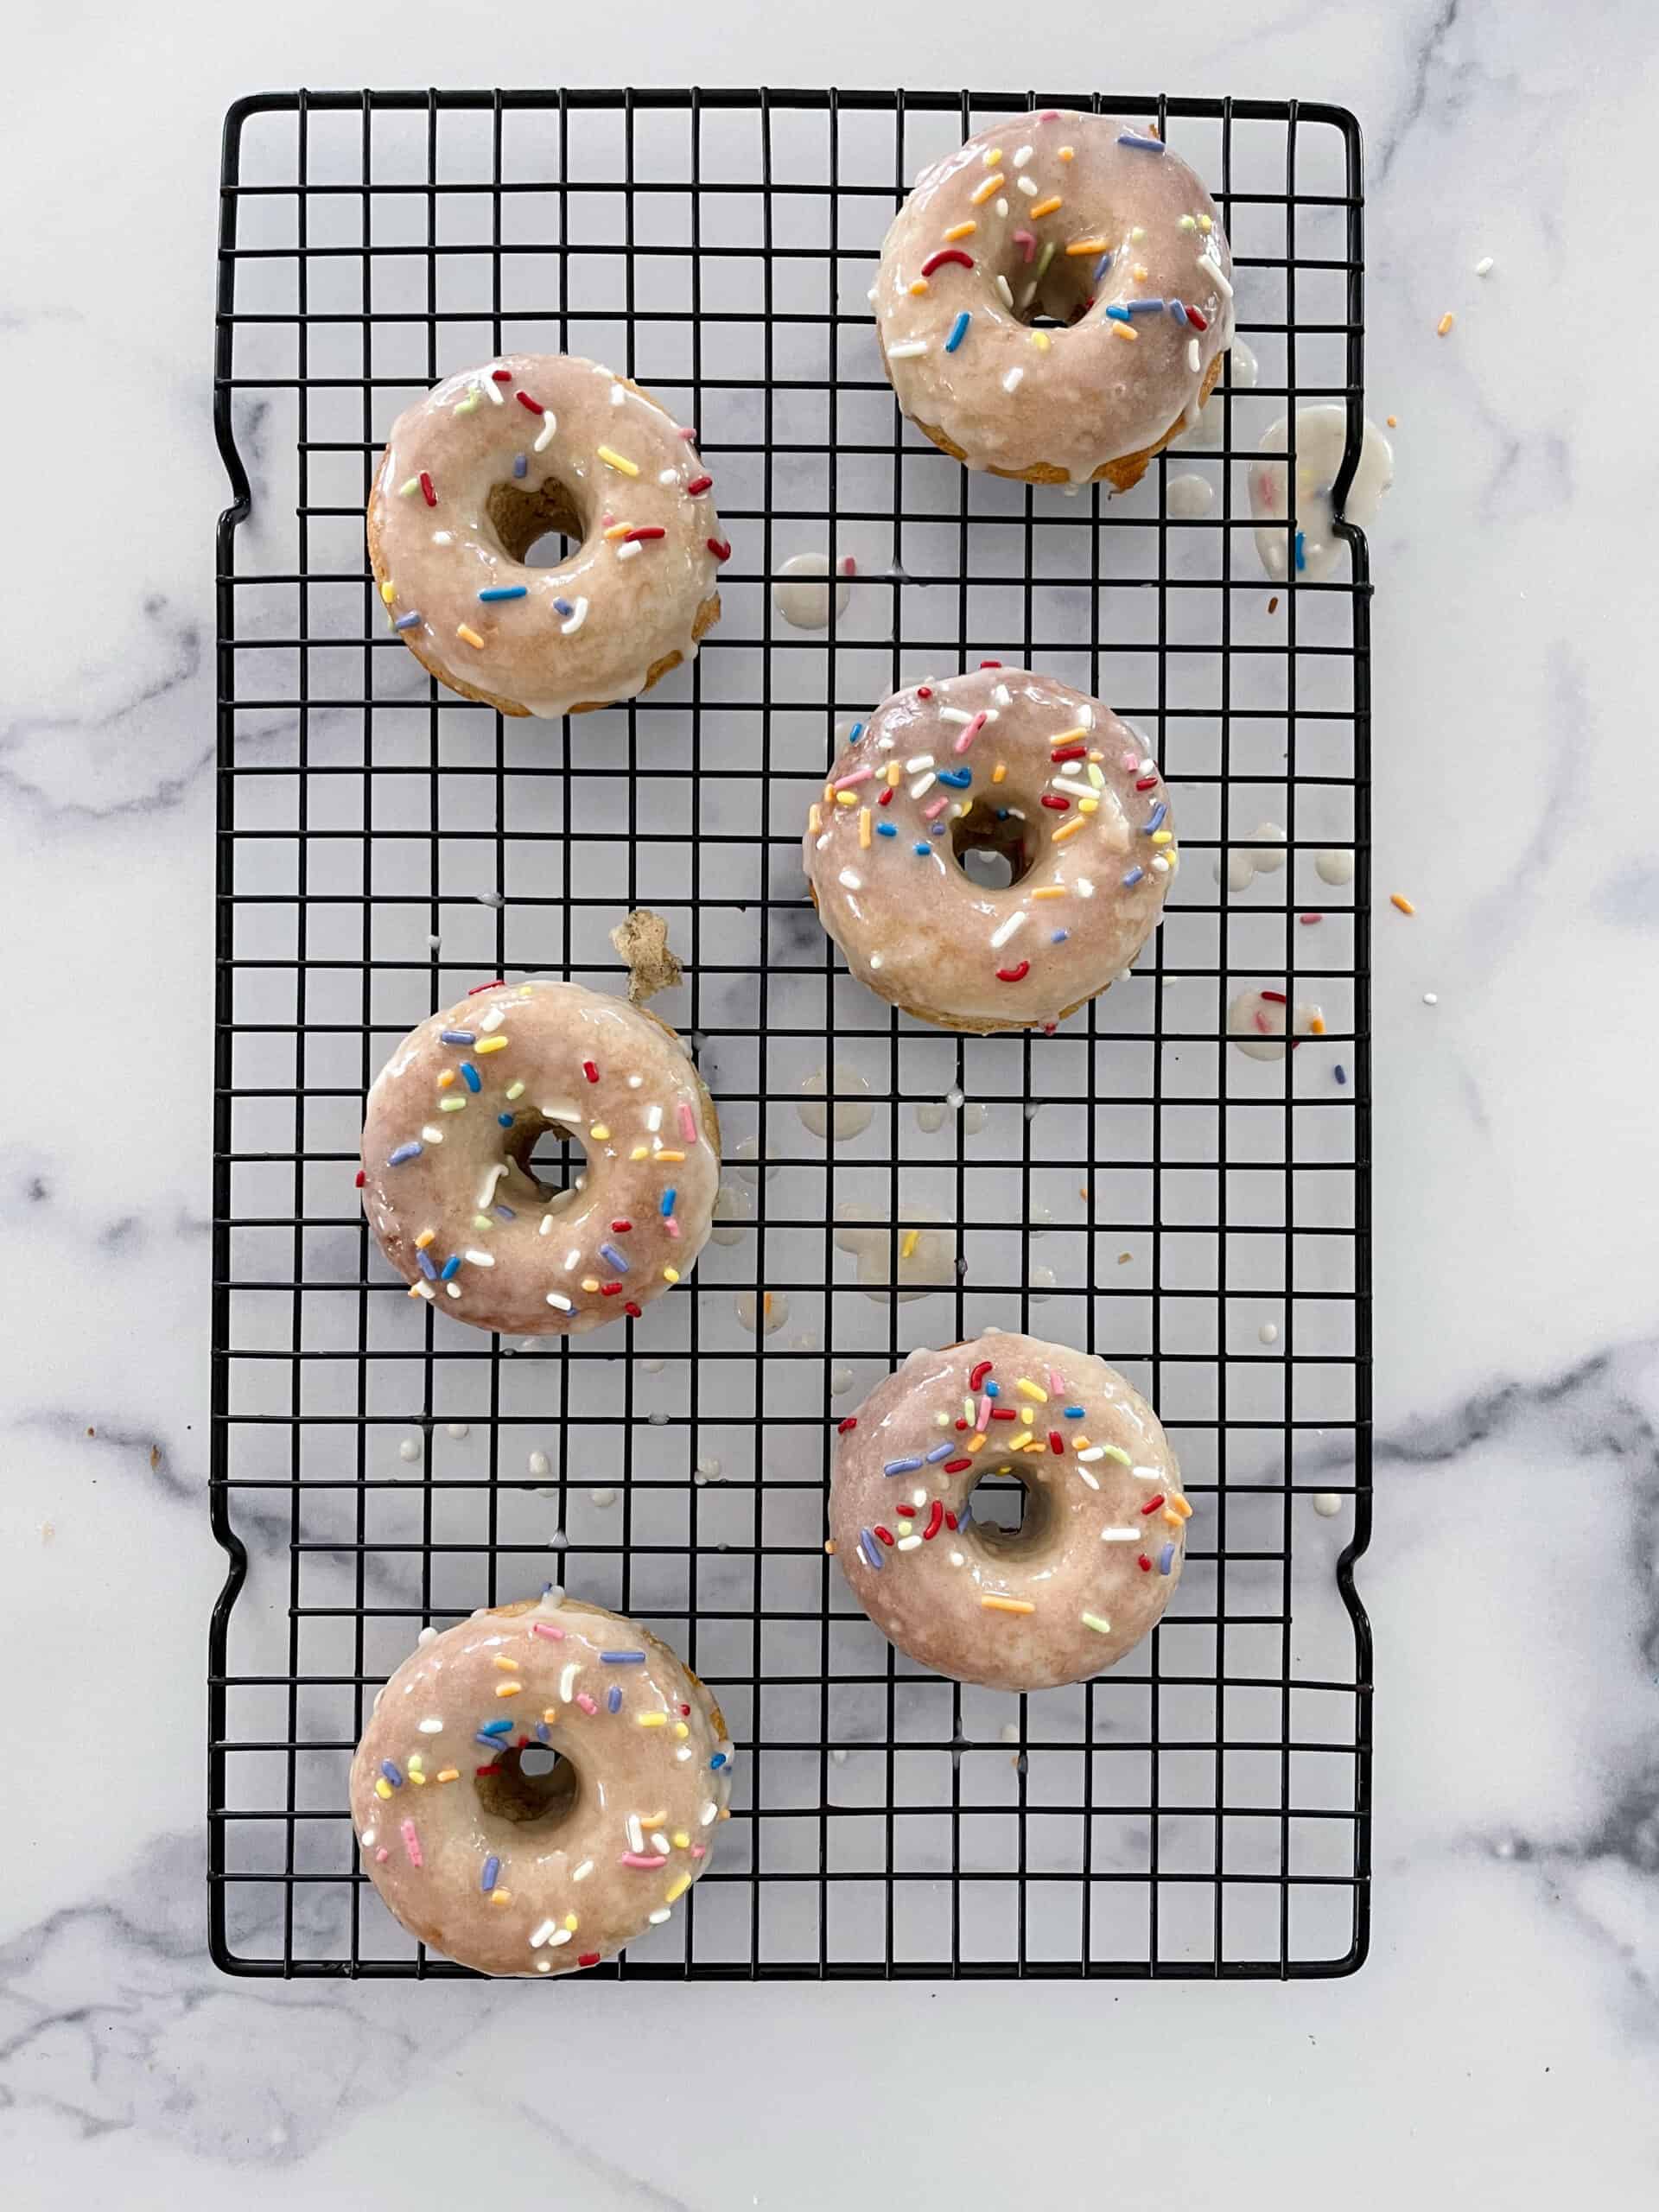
(1130, 1183)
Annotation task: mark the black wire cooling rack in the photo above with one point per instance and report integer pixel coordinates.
(1133, 1184)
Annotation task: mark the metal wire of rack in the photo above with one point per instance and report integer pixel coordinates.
(1131, 1183)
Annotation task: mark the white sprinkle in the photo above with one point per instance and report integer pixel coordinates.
(667, 476)
(1085, 1475)
(634, 1082)
(871, 296)
(409, 1448)
(851, 880)
(442, 537)
(1484, 266)
(1160, 865)
(659, 1842)
(558, 1301)
(1069, 784)
(875, 960)
(539, 1463)
(570, 629)
(1022, 156)
(479, 1259)
(1085, 887)
(559, 1936)
(907, 1544)
(629, 551)
(956, 1560)
(1001, 936)
(914, 767)
(1430, 998)
(684, 1753)
(603, 1497)
(1120, 1536)
(581, 1873)
(453, 1288)
(1003, 695)
(494, 391)
(656, 1919)
(617, 395)
(432, 1136)
(567, 1679)
(539, 1935)
(545, 435)
(367, 1839)
(1027, 187)
(711, 1812)
(1013, 380)
(636, 1834)
(1149, 1474)
(457, 1428)
(954, 714)
(492, 1021)
(654, 1119)
(908, 350)
(1002, 209)
(544, 1226)
(1002, 287)
(434, 1727)
(1327, 1503)
(1095, 1451)
(573, 1257)
(492, 1177)
(1192, 356)
(425, 1637)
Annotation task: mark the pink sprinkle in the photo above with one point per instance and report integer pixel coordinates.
(938, 807)
(688, 433)
(671, 1225)
(412, 1843)
(688, 1123)
(381, 1856)
(970, 734)
(1129, 760)
(1057, 1381)
(1027, 239)
(641, 1859)
(982, 1418)
(1263, 1024)
(547, 1628)
(699, 1851)
(1309, 919)
(1049, 115)
(586, 1702)
(860, 775)
(848, 565)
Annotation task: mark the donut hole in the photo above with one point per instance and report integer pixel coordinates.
(554, 1158)
(1011, 1516)
(531, 1786)
(536, 528)
(996, 838)
(1064, 297)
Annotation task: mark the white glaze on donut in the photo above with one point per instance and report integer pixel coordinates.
(468, 1860)
(1093, 829)
(1095, 212)
(490, 455)
(1100, 1552)
(453, 1117)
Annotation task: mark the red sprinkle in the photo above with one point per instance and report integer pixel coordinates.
(590, 1072)
(1273, 998)
(1148, 783)
(720, 547)
(1144, 1564)
(1055, 1442)
(628, 1306)
(1013, 974)
(501, 376)
(686, 1711)
(950, 1520)
(1070, 753)
(843, 1426)
(534, 405)
(1308, 920)
(589, 1959)
(609, 1289)
(651, 530)
(1198, 320)
(886, 1535)
(1056, 805)
(955, 1466)
(886, 794)
(924, 690)
(699, 484)
(990, 664)
(361, 1178)
(486, 1769)
(977, 1375)
(945, 254)
(427, 493)
(620, 1228)
(1003, 1413)
(494, 986)
(934, 1520)
(962, 1425)
(906, 1509)
(1151, 1505)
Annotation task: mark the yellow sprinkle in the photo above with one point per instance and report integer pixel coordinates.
(1139, 274)
(599, 1132)
(983, 192)
(895, 773)
(1040, 338)
(681, 1730)
(571, 1921)
(1205, 224)
(991, 157)
(680, 1839)
(1088, 806)
(619, 530)
(961, 231)
(382, 1788)
(424, 1239)
(677, 1888)
(1087, 245)
(912, 1238)
(491, 1044)
(508, 1689)
(1398, 898)
(1068, 737)
(469, 637)
(1047, 206)
(639, 1152)
(1067, 829)
(1008, 1604)
(1079, 1442)
(1126, 330)
(1163, 836)
(976, 1442)
(671, 1275)
(1137, 234)
(508, 1666)
(388, 592)
(1444, 325)
(452, 1105)
(1094, 776)
(515, 1090)
(814, 819)
(670, 1155)
(918, 288)
(651, 1719)
(550, 1715)
(450, 1774)
(829, 794)
(846, 799)
(618, 460)
(1027, 1414)
(590, 1283)
(1068, 153)
(501, 1897)
(864, 829)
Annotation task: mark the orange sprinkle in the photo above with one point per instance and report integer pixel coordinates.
(1068, 153)
(982, 192)
(1008, 1604)
(1087, 245)
(619, 530)
(1138, 273)
(864, 829)
(1398, 898)
(917, 288)
(830, 1548)
(962, 229)
(450, 1774)
(999, 771)
(1394, 421)
(1318, 1025)
(1444, 325)
(446, 1079)
(508, 1689)
(424, 1239)
(1067, 829)
(1047, 206)
(1126, 330)
(1049, 890)
(508, 1666)
(469, 637)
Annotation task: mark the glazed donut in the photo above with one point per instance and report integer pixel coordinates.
(1085, 219)
(486, 463)
(454, 1115)
(1100, 1552)
(1005, 760)
(519, 1873)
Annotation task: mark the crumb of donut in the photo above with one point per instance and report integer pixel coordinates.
(1272, 604)
(641, 938)
(1394, 421)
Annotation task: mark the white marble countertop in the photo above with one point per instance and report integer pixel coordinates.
(1502, 2037)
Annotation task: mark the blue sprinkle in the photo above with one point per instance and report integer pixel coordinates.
(490, 1742)
(544, 1734)
(1002, 813)
(1117, 313)
(964, 1517)
(920, 845)
(992, 1389)
(406, 622)
(470, 1077)
(410, 1151)
(1134, 138)
(562, 607)
(457, 1037)
(718, 1761)
(938, 830)
(503, 591)
(426, 1267)
(939, 1452)
(1100, 268)
(871, 1549)
(506, 1213)
(959, 778)
(505, 1120)
(1302, 551)
(1059, 937)
(1133, 878)
(614, 1699)
(492, 1868)
(1340, 1072)
(1155, 820)
(609, 1252)
(622, 1658)
(886, 829)
(496, 1728)
(1072, 1413)
(1180, 313)
(902, 1466)
(391, 1774)
(858, 732)
(959, 331)
(667, 1205)
(519, 464)
(1166, 1559)
(1145, 307)
(451, 1269)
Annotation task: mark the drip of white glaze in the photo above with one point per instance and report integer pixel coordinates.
(1321, 436)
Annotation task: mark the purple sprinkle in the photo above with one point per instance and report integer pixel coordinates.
(1146, 145)
(544, 1734)
(1340, 1072)
(1155, 820)
(1059, 937)
(1179, 312)
(939, 1452)
(1145, 307)
(902, 1466)
(614, 1699)
(457, 1037)
(1133, 878)
(871, 1549)
(407, 621)
(492, 1868)
(1101, 267)
(519, 464)
(1166, 1559)
(391, 1774)
(426, 1267)
(506, 1213)
(622, 1658)
(490, 1742)
(410, 1151)
(609, 1252)
(562, 607)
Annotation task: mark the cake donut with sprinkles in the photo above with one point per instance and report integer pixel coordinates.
(455, 1117)
(1087, 222)
(505, 1860)
(1002, 760)
(1099, 1552)
(492, 459)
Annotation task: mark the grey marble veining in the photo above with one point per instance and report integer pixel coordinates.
(1502, 2039)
